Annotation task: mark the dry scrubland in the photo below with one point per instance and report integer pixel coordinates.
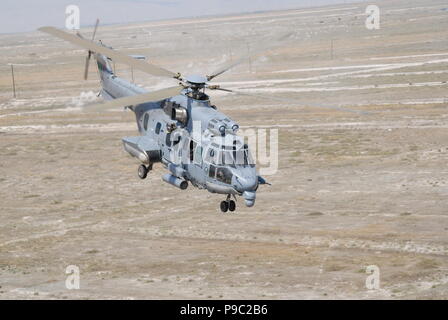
(351, 191)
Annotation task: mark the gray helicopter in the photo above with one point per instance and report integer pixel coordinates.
(178, 126)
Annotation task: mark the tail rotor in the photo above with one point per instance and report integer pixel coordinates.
(89, 54)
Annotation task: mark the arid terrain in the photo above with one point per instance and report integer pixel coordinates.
(350, 190)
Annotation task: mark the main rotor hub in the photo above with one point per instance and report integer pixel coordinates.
(196, 81)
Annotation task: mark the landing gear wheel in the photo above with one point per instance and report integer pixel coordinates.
(232, 205)
(224, 206)
(142, 171)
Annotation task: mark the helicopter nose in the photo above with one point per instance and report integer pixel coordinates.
(247, 183)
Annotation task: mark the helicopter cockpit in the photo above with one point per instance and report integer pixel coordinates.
(225, 162)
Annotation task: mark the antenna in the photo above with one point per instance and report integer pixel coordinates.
(13, 81)
(248, 55)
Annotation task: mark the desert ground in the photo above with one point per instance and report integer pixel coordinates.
(350, 191)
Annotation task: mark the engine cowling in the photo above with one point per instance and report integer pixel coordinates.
(179, 114)
(176, 112)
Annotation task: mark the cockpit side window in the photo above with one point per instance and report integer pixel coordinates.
(224, 175)
(212, 171)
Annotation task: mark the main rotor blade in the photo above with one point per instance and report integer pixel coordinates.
(114, 55)
(256, 95)
(96, 27)
(86, 68)
(259, 51)
(137, 99)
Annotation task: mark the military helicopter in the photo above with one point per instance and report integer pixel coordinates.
(178, 126)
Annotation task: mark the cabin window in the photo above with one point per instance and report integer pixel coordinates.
(168, 140)
(198, 155)
(192, 148)
(158, 127)
(145, 121)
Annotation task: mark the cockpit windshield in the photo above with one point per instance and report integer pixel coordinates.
(243, 158)
(228, 157)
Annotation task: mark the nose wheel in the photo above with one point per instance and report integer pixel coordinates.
(224, 206)
(227, 205)
(232, 205)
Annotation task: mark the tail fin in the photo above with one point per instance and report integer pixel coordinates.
(104, 67)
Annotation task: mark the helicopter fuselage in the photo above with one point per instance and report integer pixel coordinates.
(187, 135)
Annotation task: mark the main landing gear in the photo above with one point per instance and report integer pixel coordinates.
(143, 171)
(228, 205)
